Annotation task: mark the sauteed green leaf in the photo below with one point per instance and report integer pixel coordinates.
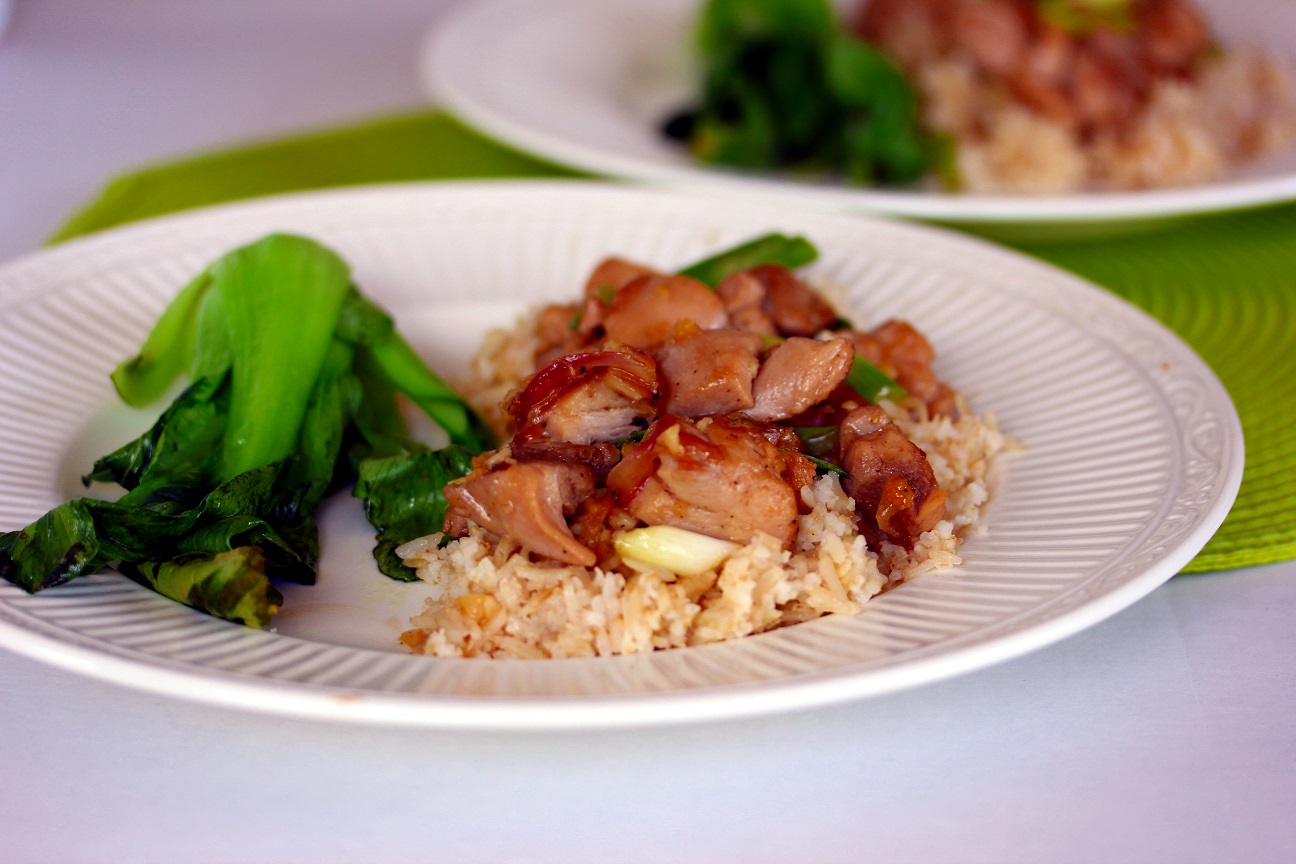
(294, 376)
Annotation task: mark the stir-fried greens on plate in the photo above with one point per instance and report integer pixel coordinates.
(293, 376)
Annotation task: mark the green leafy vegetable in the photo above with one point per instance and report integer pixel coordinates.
(276, 348)
(230, 581)
(791, 252)
(878, 115)
(872, 383)
(826, 467)
(1084, 16)
(785, 86)
(145, 377)
(403, 496)
(724, 24)
(294, 376)
(818, 441)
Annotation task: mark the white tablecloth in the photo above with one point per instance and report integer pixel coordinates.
(1164, 734)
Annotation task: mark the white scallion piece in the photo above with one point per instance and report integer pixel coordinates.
(676, 550)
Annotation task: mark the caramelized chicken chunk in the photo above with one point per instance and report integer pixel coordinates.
(587, 397)
(1174, 33)
(601, 456)
(890, 477)
(609, 277)
(597, 521)
(995, 34)
(714, 477)
(708, 371)
(643, 313)
(793, 465)
(771, 299)
(743, 296)
(910, 30)
(555, 335)
(613, 274)
(797, 374)
(527, 502)
(1042, 80)
(903, 353)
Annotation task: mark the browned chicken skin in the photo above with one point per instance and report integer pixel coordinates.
(795, 308)
(708, 371)
(587, 397)
(890, 477)
(772, 299)
(899, 350)
(716, 478)
(527, 502)
(643, 313)
(797, 374)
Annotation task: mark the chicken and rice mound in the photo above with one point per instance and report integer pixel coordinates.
(1060, 96)
(660, 411)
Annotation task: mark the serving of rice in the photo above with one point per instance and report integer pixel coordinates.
(1241, 107)
(490, 598)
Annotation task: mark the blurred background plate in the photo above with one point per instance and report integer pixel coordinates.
(587, 84)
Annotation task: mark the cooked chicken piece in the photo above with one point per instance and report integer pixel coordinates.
(613, 274)
(792, 465)
(744, 299)
(797, 374)
(644, 312)
(601, 456)
(910, 30)
(1109, 81)
(799, 472)
(771, 296)
(527, 502)
(903, 353)
(994, 34)
(1042, 80)
(555, 334)
(597, 521)
(890, 477)
(609, 277)
(708, 371)
(587, 397)
(1173, 33)
(714, 477)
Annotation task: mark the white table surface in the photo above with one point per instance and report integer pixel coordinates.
(1167, 733)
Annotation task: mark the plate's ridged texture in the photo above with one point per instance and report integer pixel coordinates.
(1133, 450)
(1227, 285)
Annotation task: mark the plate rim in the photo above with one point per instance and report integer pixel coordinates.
(606, 710)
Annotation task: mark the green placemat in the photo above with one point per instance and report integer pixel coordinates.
(1226, 283)
(423, 146)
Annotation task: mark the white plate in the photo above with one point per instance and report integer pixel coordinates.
(1135, 455)
(586, 83)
